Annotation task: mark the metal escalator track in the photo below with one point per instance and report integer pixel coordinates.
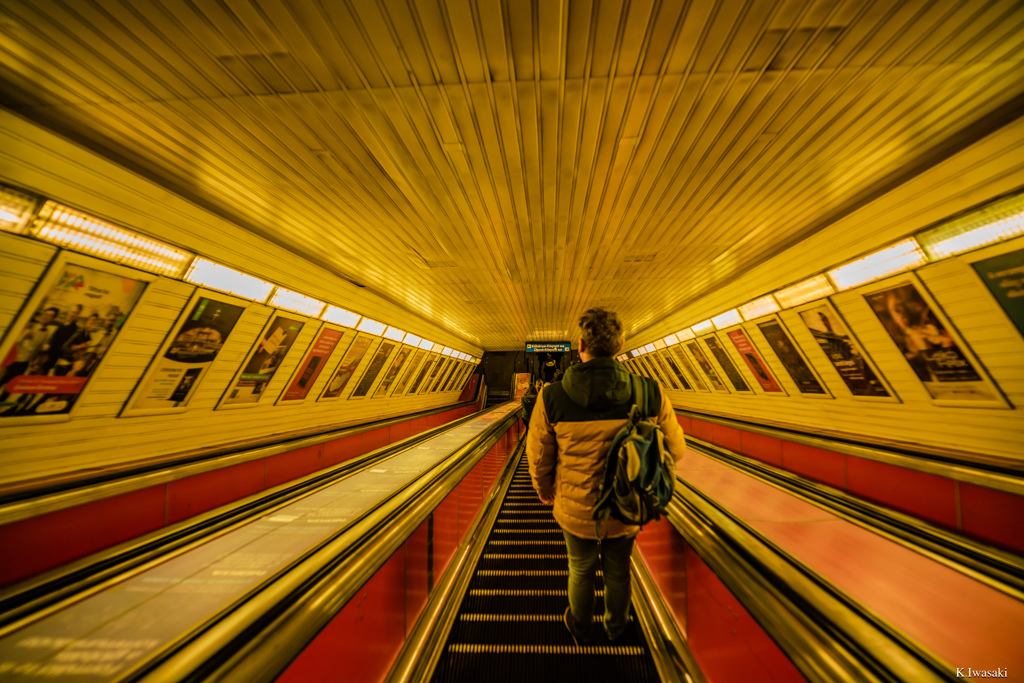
(509, 626)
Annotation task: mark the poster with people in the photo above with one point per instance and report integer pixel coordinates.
(796, 366)
(846, 357)
(1004, 277)
(705, 365)
(264, 361)
(193, 345)
(718, 351)
(926, 343)
(396, 366)
(312, 365)
(349, 362)
(753, 359)
(67, 328)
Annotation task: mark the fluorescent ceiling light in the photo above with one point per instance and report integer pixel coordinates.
(811, 289)
(15, 210)
(726, 319)
(371, 326)
(659, 343)
(412, 340)
(224, 279)
(394, 333)
(897, 258)
(757, 308)
(293, 301)
(446, 351)
(339, 316)
(703, 326)
(671, 340)
(685, 334)
(75, 230)
(426, 344)
(437, 347)
(1000, 221)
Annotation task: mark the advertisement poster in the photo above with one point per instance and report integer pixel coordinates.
(48, 357)
(660, 362)
(927, 345)
(522, 383)
(277, 340)
(348, 366)
(172, 379)
(435, 376)
(684, 360)
(706, 367)
(312, 365)
(456, 372)
(396, 367)
(840, 349)
(1004, 277)
(791, 359)
(376, 365)
(410, 373)
(671, 363)
(728, 367)
(754, 361)
(422, 374)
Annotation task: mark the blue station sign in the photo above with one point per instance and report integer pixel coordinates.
(548, 347)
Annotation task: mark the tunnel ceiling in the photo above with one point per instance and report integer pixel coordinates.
(497, 165)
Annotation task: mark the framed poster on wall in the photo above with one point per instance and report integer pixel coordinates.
(725, 362)
(807, 383)
(672, 369)
(380, 357)
(306, 374)
(844, 352)
(706, 367)
(263, 361)
(403, 355)
(350, 360)
(937, 355)
(422, 374)
(1003, 274)
(748, 352)
(62, 335)
(190, 349)
(684, 362)
(405, 379)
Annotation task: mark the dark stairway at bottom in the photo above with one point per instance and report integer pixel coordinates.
(509, 626)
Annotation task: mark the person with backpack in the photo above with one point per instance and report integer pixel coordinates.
(529, 400)
(574, 424)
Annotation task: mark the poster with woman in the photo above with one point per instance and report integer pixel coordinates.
(264, 361)
(63, 333)
(312, 365)
(349, 362)
(796, 366)
(172, 378)
(709, 370)
(718, 351)
(926, 342)
(754, 361)
(842, 352)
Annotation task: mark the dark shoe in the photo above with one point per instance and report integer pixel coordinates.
(579, 636)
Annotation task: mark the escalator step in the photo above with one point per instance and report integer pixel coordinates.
(541, 663)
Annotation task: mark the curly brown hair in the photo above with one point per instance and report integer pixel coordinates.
(601, 332)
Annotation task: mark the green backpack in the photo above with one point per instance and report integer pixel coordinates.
(640, 473)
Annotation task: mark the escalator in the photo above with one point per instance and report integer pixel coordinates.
(509, 626)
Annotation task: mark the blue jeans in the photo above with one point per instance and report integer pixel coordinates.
(583, 555)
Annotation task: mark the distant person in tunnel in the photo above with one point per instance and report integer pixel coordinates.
(529, 399)
(571, 430)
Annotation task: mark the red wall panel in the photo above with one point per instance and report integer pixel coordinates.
(416, 589)
(701, 430)
(399, 431)
(446, 531)
(664, 554)
(362, 641)
(376, 438)
(203, 492)
(726, 437)
(684, 422)
(827, 467)
(767, 449)
(470, 491)
(729, 646)
(35, 545)
(294, 464)
(928, 496)
(343, 449)
(993, 516)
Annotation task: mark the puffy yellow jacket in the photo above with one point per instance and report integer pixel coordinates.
(572, 427)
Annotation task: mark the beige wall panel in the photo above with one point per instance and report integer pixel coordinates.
(22, 263)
